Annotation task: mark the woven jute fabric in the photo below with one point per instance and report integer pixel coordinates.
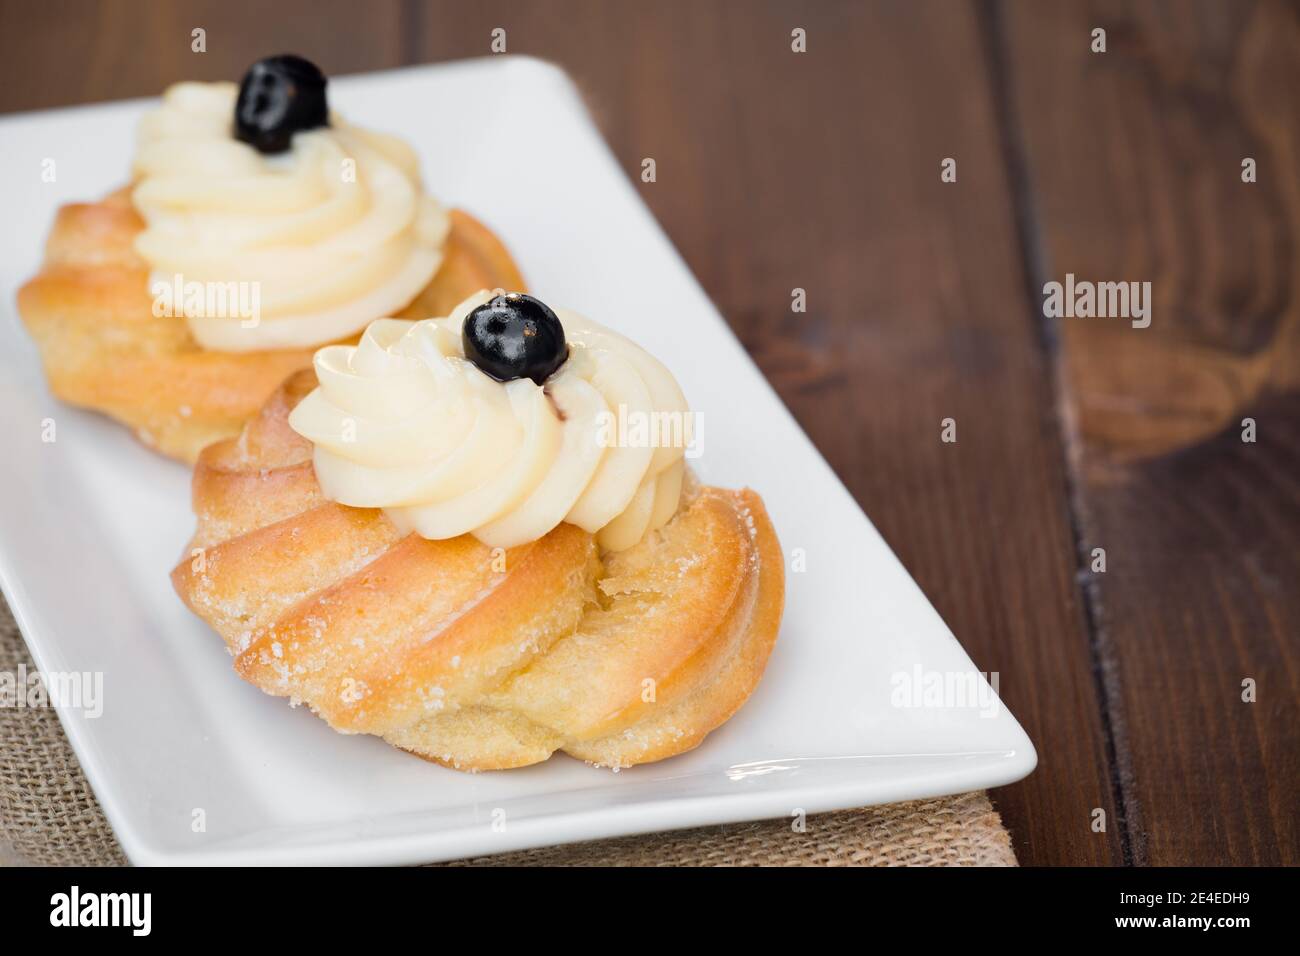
(49, 816)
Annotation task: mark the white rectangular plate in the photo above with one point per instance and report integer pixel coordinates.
(91, 523)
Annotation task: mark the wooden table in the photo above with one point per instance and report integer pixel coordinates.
(821, 171)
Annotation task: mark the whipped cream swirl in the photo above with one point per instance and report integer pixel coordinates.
(404, 422)
(334, 233)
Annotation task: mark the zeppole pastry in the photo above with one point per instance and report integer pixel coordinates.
(477, 538)
(257, 228)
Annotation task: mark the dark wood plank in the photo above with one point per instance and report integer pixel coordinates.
(60, 52)
(1136, 154)
(779, 170)
(821, 171)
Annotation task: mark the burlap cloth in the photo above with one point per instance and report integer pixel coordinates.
(48, 815)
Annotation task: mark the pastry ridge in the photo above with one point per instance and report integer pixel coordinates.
(473, 657)
(90, 313)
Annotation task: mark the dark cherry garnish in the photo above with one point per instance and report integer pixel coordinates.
(514, 336)
(279, 96)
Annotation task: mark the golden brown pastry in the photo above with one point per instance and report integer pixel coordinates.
(469, 653)
(89, 311)
(330, 231)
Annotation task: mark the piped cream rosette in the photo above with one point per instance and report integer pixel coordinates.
(404, 422)
(329, 236)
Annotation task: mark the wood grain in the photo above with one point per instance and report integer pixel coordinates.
(1136, 158)
(821, 171)
(818, 171)
(60, 52)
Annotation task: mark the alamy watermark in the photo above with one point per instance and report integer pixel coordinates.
(79, 690)
(208, 300)
(627, 428)
(946, 690)
(133, 911)
(1102, 300)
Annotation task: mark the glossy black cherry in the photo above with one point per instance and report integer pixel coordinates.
(514, 336)
(280, 96)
